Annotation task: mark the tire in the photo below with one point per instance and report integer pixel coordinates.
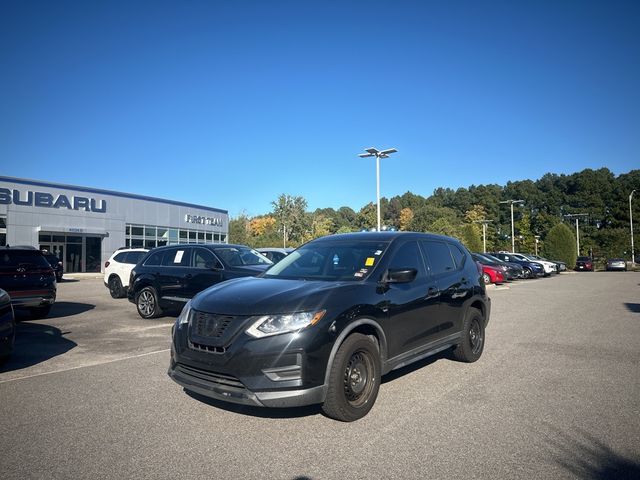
(115, 287)
(40, 312)
(354, 379)
(486, 278)
(527, 272)
(470, 348)
(147, 303)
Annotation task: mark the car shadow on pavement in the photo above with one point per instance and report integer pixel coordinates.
(36, 343)
(633, 307)
(585, 456)
(401, 372)
(292, 412)
(58, 310)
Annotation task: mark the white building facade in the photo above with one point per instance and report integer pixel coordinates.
(84, 226)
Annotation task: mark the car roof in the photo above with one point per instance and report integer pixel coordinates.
(383, 236)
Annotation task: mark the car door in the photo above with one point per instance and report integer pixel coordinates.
(412, 306)
(172, 276)
(206, 270)
(446, 262)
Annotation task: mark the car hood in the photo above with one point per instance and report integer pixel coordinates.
(251, 269)
(263, 296)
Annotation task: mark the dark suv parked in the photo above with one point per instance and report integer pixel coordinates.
(28, 278)
(324, 323)
(167, 277)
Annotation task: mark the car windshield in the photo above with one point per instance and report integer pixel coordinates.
(584, 259)
(330, 260)
(241, 256)
(492, 258)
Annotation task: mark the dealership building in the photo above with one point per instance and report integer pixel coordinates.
(84, 226)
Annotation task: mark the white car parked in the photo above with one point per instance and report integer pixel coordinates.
(549, 267)
(118, 269)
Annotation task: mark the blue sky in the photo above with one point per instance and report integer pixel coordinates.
(229, 104)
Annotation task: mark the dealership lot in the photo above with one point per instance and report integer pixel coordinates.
(555, 395)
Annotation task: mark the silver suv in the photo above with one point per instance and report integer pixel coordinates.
(118, 269)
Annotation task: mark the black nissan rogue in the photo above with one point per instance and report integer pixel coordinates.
(323, 324)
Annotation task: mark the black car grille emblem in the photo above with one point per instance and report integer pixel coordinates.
(209, 325)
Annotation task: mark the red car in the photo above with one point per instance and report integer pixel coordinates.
(584, 264)
(492, 275)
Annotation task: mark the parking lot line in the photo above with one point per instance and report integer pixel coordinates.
(85, 366)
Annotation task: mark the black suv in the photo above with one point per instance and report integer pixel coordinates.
(28, 278)
(323, 324)
(55, 263)
(168, 277)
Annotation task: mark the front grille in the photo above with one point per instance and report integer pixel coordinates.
(209, 377)
(210, 325)
(206, 348)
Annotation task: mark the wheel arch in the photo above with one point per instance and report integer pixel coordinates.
(365, 326)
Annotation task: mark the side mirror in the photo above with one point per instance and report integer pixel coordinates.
(399, 275)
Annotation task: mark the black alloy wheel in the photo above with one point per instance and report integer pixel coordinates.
(472, 344)
(354, 379)
(527, 272)
(115, 287)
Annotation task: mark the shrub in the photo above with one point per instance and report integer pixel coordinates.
(560, 244)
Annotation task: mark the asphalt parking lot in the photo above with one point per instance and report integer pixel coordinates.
(555, 395)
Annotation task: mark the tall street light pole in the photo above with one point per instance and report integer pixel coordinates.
(484, 233)
(577, 216)
(537, 237)
(513, 240)
(633, 253)
(372, 152)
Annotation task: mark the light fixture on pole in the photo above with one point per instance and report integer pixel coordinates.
(576, 216)
(537, 237)
(513, 240)
(372, 152)
(633, 253)
(484, 233)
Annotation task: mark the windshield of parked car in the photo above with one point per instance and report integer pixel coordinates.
(492, 258)
(339, 260)
(241, 256)
(584, 259)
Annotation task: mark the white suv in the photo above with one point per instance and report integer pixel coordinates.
(118, 268)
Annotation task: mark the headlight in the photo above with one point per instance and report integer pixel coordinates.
(184, 315)
(268, 325)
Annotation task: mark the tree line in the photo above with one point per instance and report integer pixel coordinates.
(547, 202)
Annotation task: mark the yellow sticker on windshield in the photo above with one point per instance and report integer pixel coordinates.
(369, 261)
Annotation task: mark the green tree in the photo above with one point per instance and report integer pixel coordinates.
(239, 230)
(292, 219)
(560, 244)
(471, 237)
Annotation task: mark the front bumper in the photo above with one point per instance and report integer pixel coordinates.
(230, 389)
(285, 370)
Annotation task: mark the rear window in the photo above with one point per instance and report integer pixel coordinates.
(120, 257)
(22, 258)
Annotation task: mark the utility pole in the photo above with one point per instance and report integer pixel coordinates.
(633, 254)
(484, 233)
(513, 240)
(373, 152)
(576, 216)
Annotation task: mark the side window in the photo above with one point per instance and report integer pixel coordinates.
(458, 256)
(155, 259)
(121, 257)
(203, 258)
(438, 257)
(180, 257)
(134, 257)
(408, 256)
